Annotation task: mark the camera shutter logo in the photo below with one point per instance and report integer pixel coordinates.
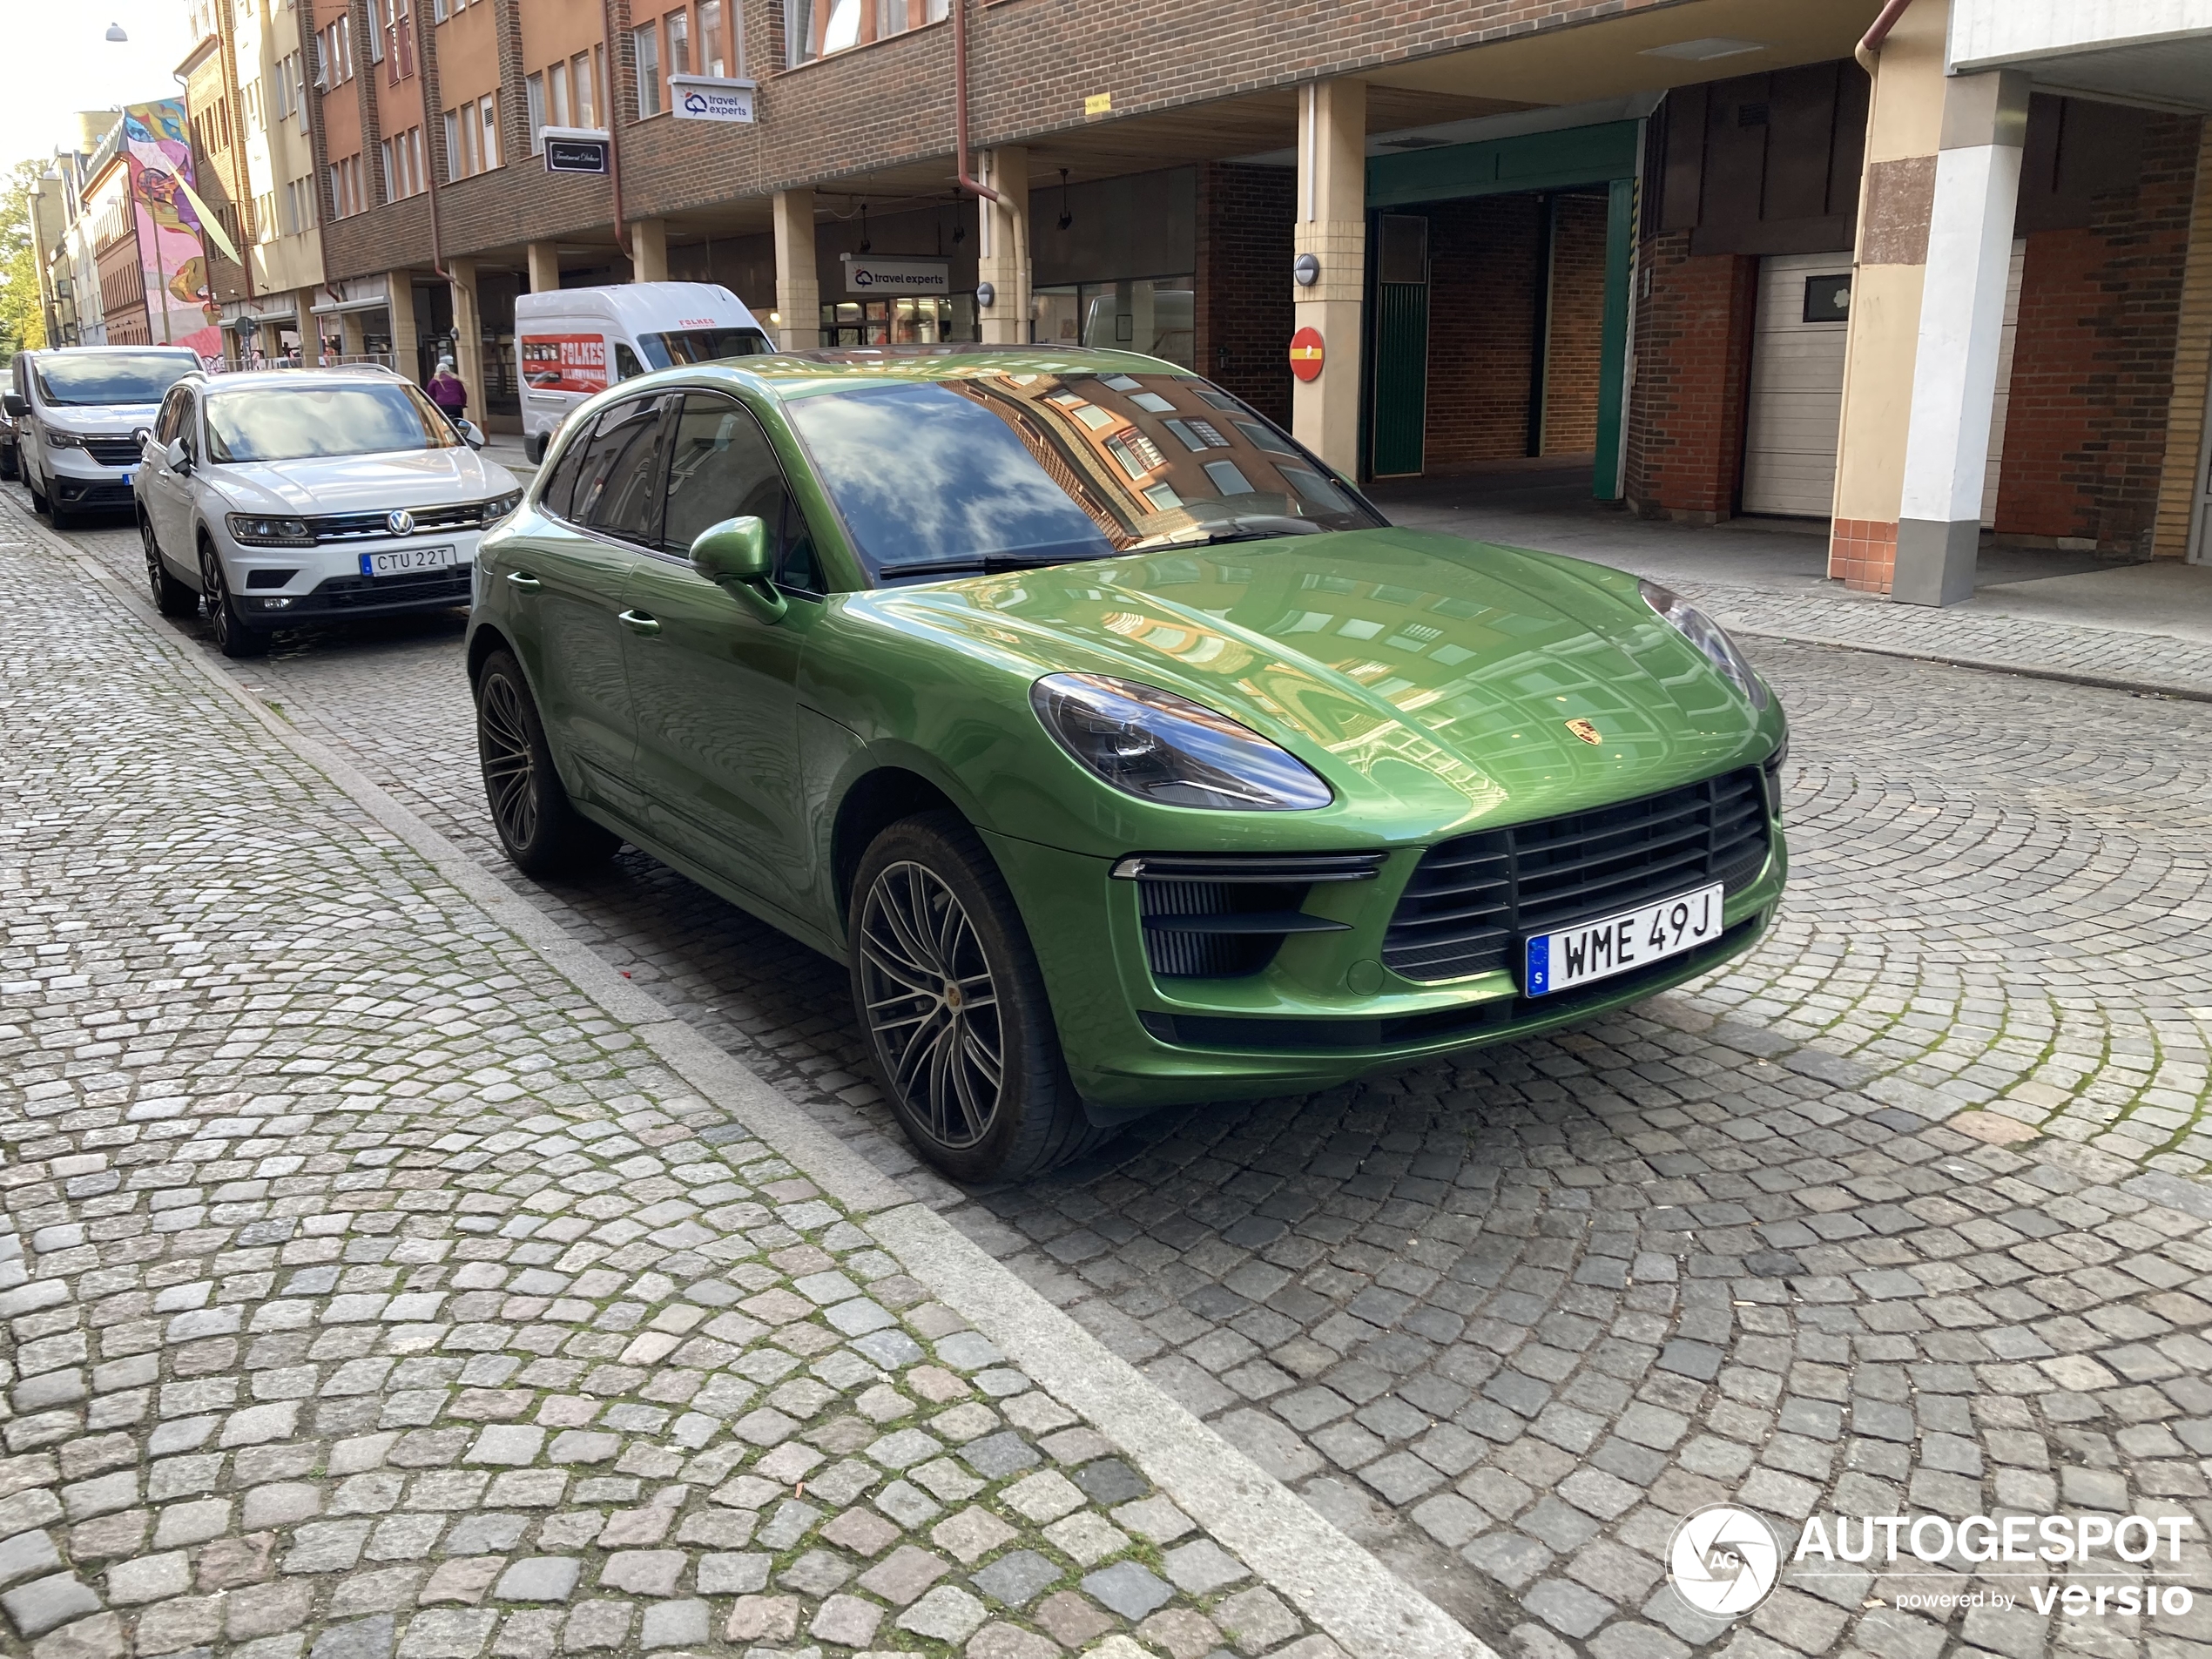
(1723, 1561)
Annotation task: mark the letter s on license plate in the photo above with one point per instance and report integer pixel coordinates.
(1594, 950)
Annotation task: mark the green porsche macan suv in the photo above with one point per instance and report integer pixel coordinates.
(1126, 755)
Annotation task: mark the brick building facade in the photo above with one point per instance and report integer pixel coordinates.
(1598, 291)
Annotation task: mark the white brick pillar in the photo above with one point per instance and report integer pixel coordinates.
(1002, 257)
(798, 284)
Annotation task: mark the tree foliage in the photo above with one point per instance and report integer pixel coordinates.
(23, 324)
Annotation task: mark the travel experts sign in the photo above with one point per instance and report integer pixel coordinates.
(710, 98)
(865, 274)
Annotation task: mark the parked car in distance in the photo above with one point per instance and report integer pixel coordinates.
(1123, 753)
(573, 343)
(283, 496)
(79, 411)
(10, 467)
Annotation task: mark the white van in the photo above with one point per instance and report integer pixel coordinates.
(572, 342)
(79, 411)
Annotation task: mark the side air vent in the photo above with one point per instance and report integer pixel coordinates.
(1224, 915)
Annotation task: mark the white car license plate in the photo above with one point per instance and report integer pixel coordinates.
(408, 560)
(1594, 950)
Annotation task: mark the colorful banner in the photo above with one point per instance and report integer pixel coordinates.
(564, 362)
(157, 146)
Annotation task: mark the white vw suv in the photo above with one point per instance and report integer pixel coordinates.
(283, 496)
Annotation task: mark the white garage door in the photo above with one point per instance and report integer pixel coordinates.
(1797, 387)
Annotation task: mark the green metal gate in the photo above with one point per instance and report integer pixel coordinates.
(1397, 426)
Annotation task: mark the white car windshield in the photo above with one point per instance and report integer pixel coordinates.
(90, 379)
(308, 422)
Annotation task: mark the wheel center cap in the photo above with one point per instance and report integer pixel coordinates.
(952, 997)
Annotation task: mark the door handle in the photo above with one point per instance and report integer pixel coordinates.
(639, 623)
(525, 581)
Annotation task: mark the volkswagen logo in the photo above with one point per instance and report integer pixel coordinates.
(400, 523)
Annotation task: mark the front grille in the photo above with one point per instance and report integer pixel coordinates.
(366, 527)
(114, 452)
(1222, 915)
(1471, 898)
(75, 492)
(358, 592)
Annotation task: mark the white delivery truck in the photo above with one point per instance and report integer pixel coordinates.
(572, 342)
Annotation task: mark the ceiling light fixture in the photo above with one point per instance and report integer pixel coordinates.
(1704, 49)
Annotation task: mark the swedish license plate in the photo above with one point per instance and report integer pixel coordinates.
(408, 560)
(1594, 950)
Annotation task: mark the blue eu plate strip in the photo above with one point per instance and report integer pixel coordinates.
(1538, 979)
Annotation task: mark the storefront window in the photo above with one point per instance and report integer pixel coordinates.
(914, 322)
(1155, 316)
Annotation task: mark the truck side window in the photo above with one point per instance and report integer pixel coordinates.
(627, 366)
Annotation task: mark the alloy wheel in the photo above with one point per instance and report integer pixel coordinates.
(153, 559)
(931, 1003)
(510, 768)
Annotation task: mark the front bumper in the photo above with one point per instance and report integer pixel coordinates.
(1134, 1042)
(283, 587)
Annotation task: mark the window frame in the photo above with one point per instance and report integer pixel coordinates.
(791, 502)
(667, 402)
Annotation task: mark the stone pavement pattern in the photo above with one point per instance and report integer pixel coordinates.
(370, 1294)
(1519, 1311)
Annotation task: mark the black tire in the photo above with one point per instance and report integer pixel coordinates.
(947, 988)
(171, 597)
(539, 827)
(38, 502)
(534, 447)
(9, 469)
(234, 636)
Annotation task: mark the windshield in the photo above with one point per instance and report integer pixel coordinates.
(111, 377)
(996, 469)
(303, 422)
(702, 346)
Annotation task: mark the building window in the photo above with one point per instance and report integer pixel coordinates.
(648, 50)
(456, 167)
(589, 79)
(890, 18)
(711, 61)
(557, 93)
(679, 43)
(376, 31)
(534, 104)
(488, 119)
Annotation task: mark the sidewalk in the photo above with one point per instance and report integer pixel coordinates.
(388, 1278)
(2062, 615)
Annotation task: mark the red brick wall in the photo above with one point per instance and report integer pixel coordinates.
(1483, 276)
(2085, 434)
(1692, 345)
(1244, 319)
(1577, 322)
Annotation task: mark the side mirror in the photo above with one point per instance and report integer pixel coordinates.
(178, 458)
(472, 434)
(734, 555)
(15, 404)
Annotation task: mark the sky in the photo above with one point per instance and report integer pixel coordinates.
(58, 61)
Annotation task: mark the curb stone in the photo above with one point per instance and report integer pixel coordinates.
(1341, 1586)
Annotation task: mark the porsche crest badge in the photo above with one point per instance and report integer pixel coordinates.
(1585, 731)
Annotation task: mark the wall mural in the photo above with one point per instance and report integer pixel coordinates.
(158, 149)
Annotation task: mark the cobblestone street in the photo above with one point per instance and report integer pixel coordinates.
(376, 1294)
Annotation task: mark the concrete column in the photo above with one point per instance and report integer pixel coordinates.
(545, 266)
(351, 344)
(648, 250)
(468, 332)
(310, 330)
(1331, 225)
(398, 301)
(799, 285)
(1962, 323)
(1003, 253)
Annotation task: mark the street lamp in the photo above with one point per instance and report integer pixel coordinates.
(115, 32)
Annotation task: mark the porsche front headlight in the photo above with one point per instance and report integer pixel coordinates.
(1164, 748)
(1711, 640)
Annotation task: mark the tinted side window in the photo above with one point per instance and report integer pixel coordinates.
(617, 492)
(172, 415)
(627, 367)
(798, 568)
(558, 496)
(719, 466)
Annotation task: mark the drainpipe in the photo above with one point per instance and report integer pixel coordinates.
(614, 128)
(426, 34)
(960, 103)
(1879, 32)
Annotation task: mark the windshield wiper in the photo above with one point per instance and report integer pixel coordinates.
(985, 565)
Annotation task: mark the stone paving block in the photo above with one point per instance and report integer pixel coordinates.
(539, 1578)
(42, 1604)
